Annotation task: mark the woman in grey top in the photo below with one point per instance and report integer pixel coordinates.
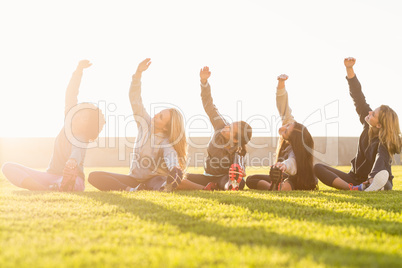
(160, 152)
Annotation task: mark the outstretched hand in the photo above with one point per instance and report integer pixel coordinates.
(143, 66)
(281, 81)
(283, 77)
(83, 64)
(205, 74)
(349, 62)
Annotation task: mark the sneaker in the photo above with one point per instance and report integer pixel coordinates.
(140, 187)
(276, 176)
(54, 187)
(379, 181)
(235, 177)
(174, 178)
(354, 188)
(211, 186)
(68, 181)
(231, 186)
(166, 187)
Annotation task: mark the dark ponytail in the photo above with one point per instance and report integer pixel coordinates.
(244, 133)
(303, 145)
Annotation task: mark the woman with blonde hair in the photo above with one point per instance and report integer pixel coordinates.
(379, 141)
(160, 152)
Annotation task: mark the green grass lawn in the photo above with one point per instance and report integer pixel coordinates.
(325, 228)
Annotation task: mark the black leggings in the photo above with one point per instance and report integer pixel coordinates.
(252, 181)
(106, 181)
(328, 174)
(202, 179)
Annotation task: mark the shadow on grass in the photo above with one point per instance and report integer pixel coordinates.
(321, 252)
(299, 211)
(375, 200)
(288, 209)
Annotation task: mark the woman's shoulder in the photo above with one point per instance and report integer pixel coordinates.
(381, 147)
(376, 146)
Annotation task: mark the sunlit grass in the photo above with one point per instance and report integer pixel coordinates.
(188, 229)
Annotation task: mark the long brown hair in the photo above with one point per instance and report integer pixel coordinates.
(177, 136)
(389, 134)
(302, 145)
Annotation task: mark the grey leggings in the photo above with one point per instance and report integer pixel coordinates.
(107, 181)
(17, 173)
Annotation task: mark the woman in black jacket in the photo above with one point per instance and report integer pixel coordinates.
(379, 141)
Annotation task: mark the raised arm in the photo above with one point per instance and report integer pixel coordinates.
(135, 93)
(217, 120)
(73, 87)
(282, 101)
(355, 90)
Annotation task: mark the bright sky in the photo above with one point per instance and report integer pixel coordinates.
(246, 44)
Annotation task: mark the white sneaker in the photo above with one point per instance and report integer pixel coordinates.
(379, 180)
(231, 186)
(168, 188)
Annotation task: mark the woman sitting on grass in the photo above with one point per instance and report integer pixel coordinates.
(160, 152)
(294, 152)
(66, 168)
(379, 141)
(224, 166)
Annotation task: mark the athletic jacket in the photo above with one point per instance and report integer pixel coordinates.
(372, 156)
(219, 158)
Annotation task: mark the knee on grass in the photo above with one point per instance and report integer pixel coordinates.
(7, 167)
(93, 177)
(252, 182)
(8, 170)
(318, 168)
